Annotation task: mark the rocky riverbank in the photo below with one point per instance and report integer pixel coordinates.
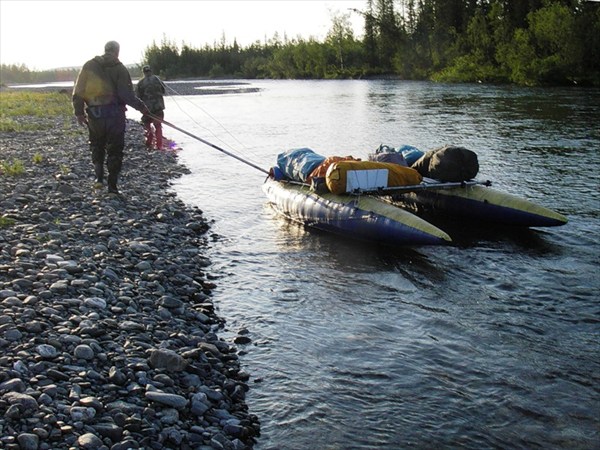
(108, 335)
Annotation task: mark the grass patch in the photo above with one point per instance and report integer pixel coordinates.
(37, 104)
(43, 105)
(13, 169)
(5, 222)
(8, 124)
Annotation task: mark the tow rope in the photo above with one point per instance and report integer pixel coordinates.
(204, 141)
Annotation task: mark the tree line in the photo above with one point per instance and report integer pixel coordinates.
(20, 73)
(526, 42)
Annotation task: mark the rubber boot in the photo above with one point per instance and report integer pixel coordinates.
(99, 171)
(149, 135)
(112, 184)
(159, 136)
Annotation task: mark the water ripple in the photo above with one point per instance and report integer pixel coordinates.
(491, 342)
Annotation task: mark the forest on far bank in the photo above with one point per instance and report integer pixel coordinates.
(525, 42)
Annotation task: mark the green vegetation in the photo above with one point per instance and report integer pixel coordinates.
(13, 73)
(15, 104)
(8, 124)
(6, 222)
(500, 41)
(527, 43)
(13, 168)
(37, 104)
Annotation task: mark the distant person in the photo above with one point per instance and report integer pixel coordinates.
(104, 86)
(151, 90)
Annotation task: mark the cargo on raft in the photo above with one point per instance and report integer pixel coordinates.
(373, 200)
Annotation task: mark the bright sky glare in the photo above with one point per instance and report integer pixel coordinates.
(52, 34)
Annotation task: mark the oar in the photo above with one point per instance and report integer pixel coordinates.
(216, 147)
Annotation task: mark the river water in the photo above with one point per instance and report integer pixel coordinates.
(492, 342)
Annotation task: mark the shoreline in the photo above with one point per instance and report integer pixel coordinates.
(174, 87)
(108, 333)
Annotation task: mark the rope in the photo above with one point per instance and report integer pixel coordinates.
(240, 144)
(204, 141)
(164, 122)
(204, 111)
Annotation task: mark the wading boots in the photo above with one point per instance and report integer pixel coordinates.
(99, 169)
(112, 184)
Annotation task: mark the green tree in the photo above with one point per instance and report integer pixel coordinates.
(370, 36)
(588, 28)
(478, 63)
(15, 73)
(388, 34)
(526, 42)
(340, 33)
(164, 59)
(548, 51)
(557, 48)
(348, 57)
(422, 39)
(517, 56)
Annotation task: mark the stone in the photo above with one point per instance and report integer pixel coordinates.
(89, 441)
(26, 404)
(83, 351)
(28, 441)
(46, 351)
(82, 413)
(166, 359)
(173, 400)
(110, 431)
(107, 332)
(14, 385)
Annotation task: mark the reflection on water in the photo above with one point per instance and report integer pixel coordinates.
(491, 342)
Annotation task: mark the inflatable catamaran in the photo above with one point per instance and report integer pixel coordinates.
(370, 200)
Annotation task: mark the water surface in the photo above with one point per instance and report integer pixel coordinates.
(491, 342)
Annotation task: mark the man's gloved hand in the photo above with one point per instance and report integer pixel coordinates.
(82, 120)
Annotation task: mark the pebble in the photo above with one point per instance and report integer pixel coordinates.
(108, 335)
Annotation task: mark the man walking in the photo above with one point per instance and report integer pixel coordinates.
(102, 90)
(151, 90)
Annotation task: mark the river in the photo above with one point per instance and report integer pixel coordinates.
(491, 342)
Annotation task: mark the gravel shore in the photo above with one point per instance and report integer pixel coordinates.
(108, 335)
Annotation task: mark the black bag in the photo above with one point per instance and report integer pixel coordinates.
(448, 163)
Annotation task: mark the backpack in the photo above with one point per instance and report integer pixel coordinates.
(449, 163)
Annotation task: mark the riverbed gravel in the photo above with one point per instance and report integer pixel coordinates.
(109, 338)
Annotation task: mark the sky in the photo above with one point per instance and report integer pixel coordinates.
(50, 34)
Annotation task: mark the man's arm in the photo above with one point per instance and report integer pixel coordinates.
(126, 93)
(79, 96)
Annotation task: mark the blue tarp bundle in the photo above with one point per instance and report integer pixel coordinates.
(411, 154)
(297, 164)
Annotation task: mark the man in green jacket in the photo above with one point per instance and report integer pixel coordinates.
(151, 90)
(101, 91)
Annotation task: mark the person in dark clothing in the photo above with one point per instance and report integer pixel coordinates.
(151, 90)
(102, 90)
